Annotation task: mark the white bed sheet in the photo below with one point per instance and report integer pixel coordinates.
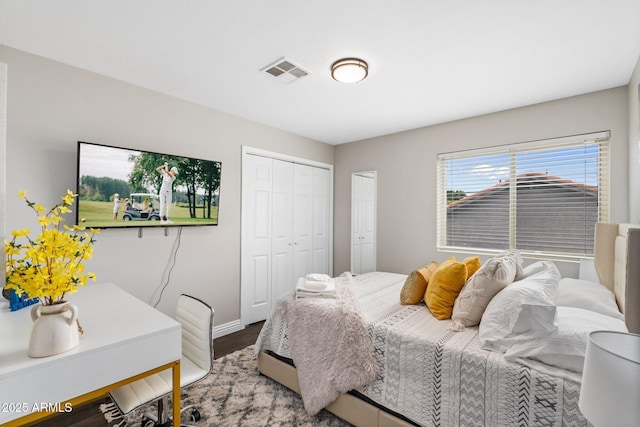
(434, 376)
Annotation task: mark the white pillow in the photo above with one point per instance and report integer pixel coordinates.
(532, 269)
(522, 311)
(566, 346)
(482, 286)
(589, 296)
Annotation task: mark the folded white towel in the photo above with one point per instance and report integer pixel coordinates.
(306, 288)
(316, 277)
(315, 286)
(303, 294)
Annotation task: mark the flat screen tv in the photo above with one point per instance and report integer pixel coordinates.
(123, 187)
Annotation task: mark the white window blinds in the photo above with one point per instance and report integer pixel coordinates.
(541, 197)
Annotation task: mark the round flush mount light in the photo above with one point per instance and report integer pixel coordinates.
(349, 70)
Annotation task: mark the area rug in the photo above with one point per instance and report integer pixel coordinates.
(235, 394)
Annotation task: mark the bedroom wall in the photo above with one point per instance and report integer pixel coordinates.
(406, 166)
(634, 145)
(53, 105)
(3, 143)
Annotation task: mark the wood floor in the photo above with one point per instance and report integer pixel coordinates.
(89, 415)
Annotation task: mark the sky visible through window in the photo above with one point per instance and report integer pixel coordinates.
(473, 174)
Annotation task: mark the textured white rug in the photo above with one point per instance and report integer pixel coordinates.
(235, 394)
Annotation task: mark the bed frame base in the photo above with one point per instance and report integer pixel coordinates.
(348, 407)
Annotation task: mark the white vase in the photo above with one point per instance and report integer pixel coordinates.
(54, 329)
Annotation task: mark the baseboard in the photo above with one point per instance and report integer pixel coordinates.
(227, 328)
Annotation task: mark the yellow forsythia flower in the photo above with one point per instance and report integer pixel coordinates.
(49, 266)
(20, 233)
(39, 208)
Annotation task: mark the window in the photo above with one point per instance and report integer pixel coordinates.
(542, 198)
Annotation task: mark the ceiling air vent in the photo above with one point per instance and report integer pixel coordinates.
(285, 70)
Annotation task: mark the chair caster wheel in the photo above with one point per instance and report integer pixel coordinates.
(195, 415)
(147, 422)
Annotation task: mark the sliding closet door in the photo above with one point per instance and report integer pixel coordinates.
(302, 220)
(256, 241)
(321, 220)
(286, 229)
(282, 220)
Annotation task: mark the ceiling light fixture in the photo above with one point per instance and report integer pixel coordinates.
(349, 70)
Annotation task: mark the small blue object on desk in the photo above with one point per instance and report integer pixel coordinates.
(17, 302)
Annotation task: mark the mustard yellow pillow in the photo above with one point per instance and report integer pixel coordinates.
(416, 284)
(444, 286)
(473, 264)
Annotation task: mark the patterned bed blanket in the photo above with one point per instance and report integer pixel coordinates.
(436, 377)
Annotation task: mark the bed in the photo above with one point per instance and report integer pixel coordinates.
(428, 374)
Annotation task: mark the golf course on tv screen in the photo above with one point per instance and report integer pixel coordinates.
(122, 187)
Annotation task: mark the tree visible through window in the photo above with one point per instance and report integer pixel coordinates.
(541, 197)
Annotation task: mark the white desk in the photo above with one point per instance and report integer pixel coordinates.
(124, 339)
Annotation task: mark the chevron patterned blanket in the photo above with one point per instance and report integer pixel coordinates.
(436, 377)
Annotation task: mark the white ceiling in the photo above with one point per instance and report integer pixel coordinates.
(431, 61)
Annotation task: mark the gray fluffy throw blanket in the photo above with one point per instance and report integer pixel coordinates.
(329, 345)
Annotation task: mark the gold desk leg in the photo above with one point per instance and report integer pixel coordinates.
(176, 394)
(36, 417)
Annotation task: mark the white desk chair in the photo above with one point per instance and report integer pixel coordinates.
(196, 318)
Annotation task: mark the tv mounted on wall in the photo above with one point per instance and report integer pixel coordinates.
(123, 187)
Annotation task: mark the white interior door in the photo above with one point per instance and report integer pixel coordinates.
(363, 222)
(286, 227)
(257, 195)
(356, 241)
(321, 220)
(282, 220)
(302, 220)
